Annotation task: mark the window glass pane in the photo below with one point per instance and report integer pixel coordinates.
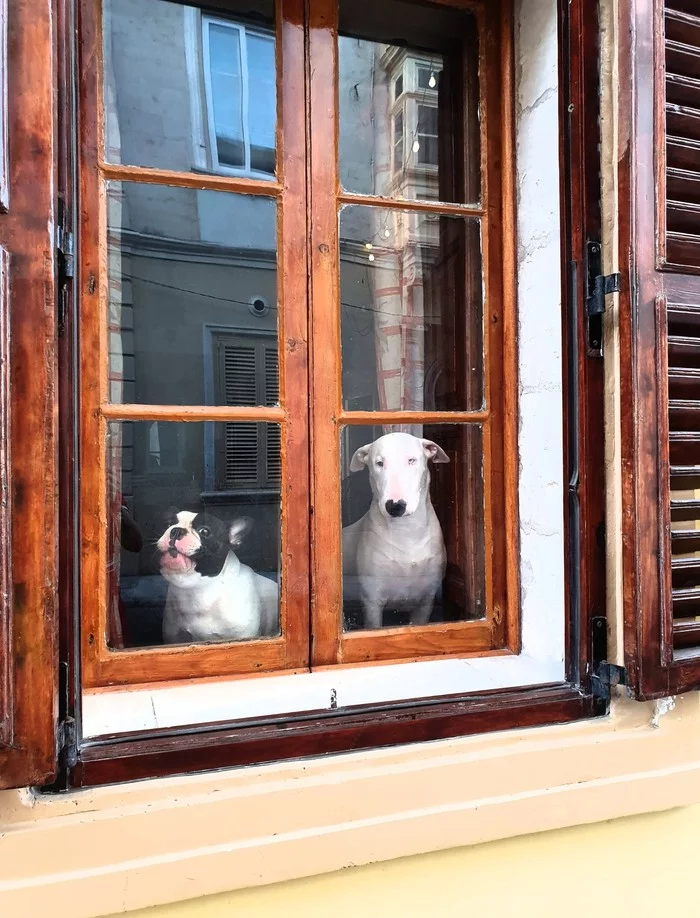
(194, 541)
(413, 525)
(227, 93)
(261, 115)
(185, 90)
(399, 54)
(411, 311)
(192, 296)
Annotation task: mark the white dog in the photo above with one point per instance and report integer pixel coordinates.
(396, 550)
(211, 595)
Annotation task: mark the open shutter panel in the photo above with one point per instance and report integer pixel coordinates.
(660, 344)
(28, 620)
(682, 117)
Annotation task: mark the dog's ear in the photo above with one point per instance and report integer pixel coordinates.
(434, 452)
(238, 530)
(359, 460)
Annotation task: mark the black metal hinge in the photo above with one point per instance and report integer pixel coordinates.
(604, 675)
(68, 743)
(598, 286)
(66, 263)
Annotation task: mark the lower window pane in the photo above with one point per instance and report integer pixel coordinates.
(414, 526)
(194, 542)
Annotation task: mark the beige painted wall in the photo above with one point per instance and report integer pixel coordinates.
(641, 866)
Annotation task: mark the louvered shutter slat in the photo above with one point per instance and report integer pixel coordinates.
(682, 45)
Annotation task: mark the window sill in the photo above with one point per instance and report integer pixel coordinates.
(123, 847)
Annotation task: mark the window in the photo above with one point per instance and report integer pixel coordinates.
(426, 142)
(241, 128)
(247, 455)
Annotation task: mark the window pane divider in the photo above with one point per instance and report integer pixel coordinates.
(426, 206)
(200, 180)
(414, 417)
(192, 413)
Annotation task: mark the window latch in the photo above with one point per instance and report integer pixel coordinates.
(604, 676)
(598, 286)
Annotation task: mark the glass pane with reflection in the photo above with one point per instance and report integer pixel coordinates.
(192, 296)
(194, 538)
(411, 310)
(408, 101)
(413, 525)
(188, 90)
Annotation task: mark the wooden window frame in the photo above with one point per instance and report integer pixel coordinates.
(122, 757)
(28, 416)
(499, 630)
(100, 665)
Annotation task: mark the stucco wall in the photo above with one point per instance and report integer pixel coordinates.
(618, 867)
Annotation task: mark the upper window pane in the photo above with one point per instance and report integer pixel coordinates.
(408, 102)
(187, 91)
(192, 305)
(411, 304)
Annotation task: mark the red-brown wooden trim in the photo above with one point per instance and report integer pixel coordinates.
(132, 757)
(6, 668)
(27, 320)
(193, 413)
(330, 644)
(100, 665)
(199, 180)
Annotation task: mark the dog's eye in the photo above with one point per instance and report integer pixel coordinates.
(412, 460)
(204, 532)
(380, 463)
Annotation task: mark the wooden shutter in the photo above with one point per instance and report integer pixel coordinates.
(660, 342)
(248, 374)
(28, 620)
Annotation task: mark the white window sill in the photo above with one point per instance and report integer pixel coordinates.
(118, 848)
(123, 710)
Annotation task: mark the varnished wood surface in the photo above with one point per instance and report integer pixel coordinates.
(101, 665)
(27, 321)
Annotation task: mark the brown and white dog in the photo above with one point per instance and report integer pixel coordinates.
(211, 595)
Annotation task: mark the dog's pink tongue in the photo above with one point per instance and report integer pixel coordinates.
(176, 562)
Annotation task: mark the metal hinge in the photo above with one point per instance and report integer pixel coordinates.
(64, 247)
(604, 675)
(66, 264)
(598, 286)
(68, 742)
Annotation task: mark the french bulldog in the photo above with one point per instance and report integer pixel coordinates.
(211, 595)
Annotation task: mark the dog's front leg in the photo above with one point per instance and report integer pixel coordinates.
(373, 610)
(421, 613)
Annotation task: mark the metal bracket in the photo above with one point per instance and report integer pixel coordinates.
(65, 251)
(68, 742)
(598, 286)
(604, 675)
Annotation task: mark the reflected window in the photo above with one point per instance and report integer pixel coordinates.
(242, 134)
(426, 143)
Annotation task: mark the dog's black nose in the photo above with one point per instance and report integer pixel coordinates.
(176, 533)
(395, 507)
